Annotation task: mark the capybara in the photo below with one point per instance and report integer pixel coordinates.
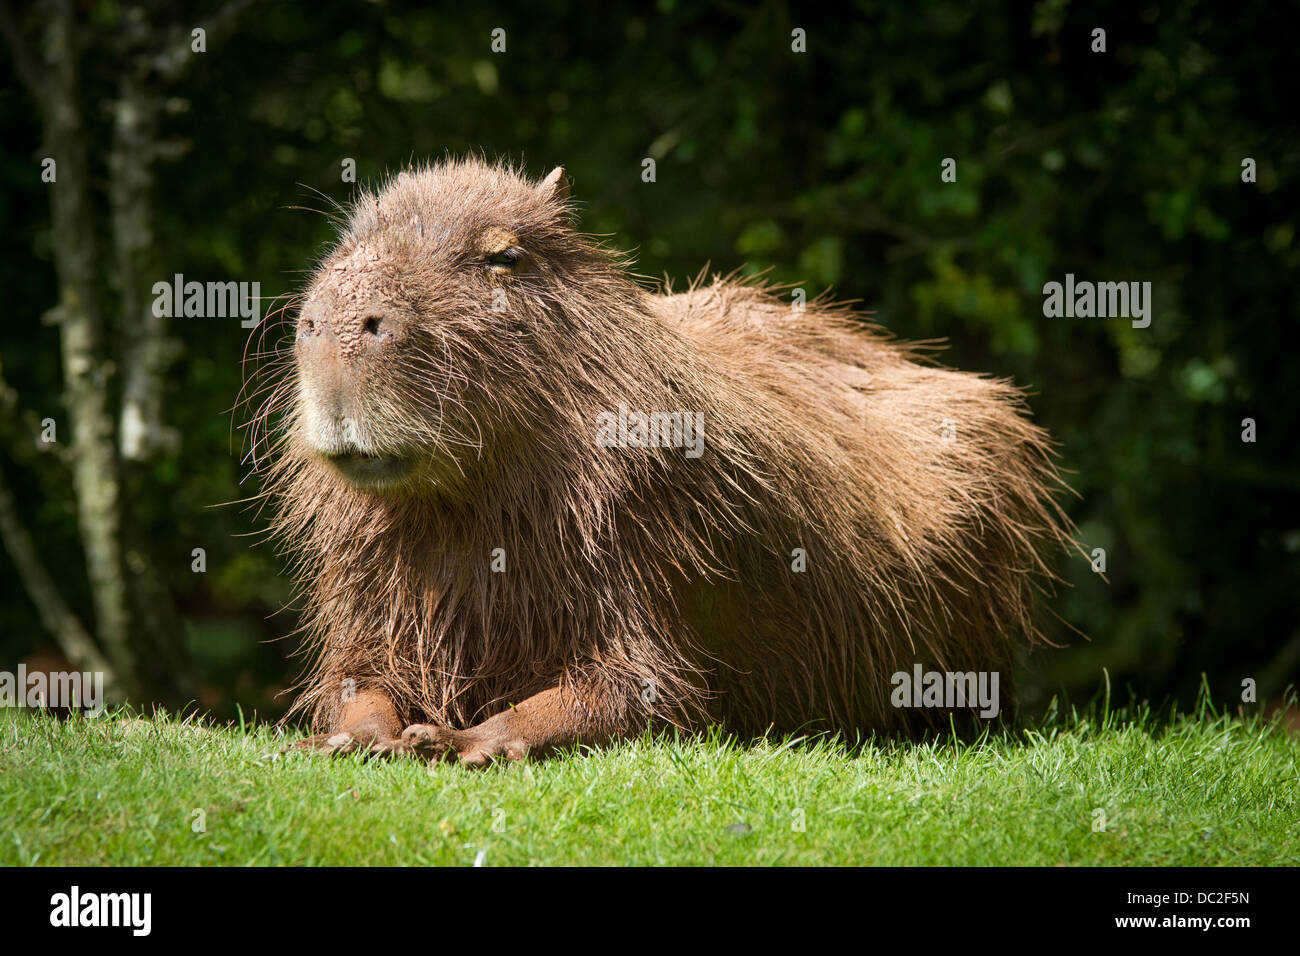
(531, 503)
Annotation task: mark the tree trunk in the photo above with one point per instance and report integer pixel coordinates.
(142, 429)
(86, 371)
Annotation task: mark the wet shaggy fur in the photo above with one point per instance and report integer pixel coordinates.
(649, 585)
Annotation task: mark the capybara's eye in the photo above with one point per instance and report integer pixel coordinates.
(503, 261)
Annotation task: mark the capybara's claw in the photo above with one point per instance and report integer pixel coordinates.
(472, 748)
(428, 741)
(317, 743)
(342, 743)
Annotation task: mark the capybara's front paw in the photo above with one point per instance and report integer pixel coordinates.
(472, 748)
(342, 742)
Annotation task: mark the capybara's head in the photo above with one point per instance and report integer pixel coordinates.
(428, 327)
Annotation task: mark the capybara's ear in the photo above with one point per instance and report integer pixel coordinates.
(555, 185)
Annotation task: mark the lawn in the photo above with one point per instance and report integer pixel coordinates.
(1079, 789)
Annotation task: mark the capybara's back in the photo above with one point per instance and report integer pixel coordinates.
(893, 513)
(533, 504)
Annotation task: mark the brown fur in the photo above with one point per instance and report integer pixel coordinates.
(640, 584)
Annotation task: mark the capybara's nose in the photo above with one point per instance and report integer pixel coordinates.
(348, 331)
(314, 324)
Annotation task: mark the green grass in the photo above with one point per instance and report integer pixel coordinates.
(1200, 789)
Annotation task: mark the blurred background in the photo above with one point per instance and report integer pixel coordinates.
(824, 166)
